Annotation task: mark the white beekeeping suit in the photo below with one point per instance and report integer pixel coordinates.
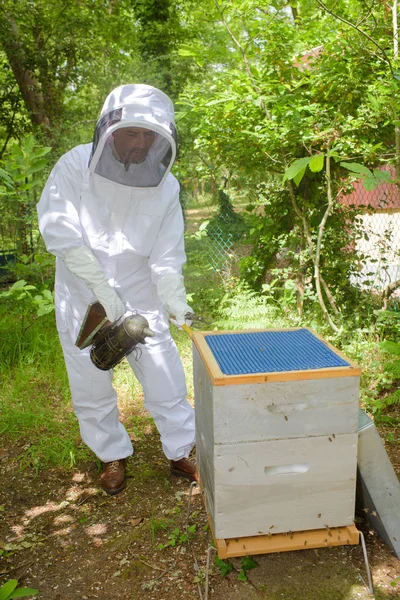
(111, 215)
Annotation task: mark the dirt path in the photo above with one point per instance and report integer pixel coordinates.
(62, 535)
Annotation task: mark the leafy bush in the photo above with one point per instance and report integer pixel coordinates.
(243, 308)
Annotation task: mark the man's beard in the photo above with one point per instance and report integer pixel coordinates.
(134, 157)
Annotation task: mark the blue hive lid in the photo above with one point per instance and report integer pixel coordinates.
(271, 351)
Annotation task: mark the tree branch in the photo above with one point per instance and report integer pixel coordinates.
(388, 291)
(364, 33)
(310, 245)
(321, 228)
(244, 57)
(396, 56)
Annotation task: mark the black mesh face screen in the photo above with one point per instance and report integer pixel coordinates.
(167, 158)
(135, 155)
(102, 125)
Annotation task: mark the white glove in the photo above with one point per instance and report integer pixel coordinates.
(172, 292)
(82, 262)
(110, 301)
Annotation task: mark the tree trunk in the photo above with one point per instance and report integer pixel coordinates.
(29, 86)
(293, 6)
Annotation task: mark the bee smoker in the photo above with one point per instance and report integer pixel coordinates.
(111, 343)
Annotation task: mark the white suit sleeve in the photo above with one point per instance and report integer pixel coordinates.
(59, 221)
(166, 261)
(60, 227)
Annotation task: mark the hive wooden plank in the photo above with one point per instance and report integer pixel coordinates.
(207, 357)
(286, 542)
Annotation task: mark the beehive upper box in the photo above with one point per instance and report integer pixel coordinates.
(270, 355)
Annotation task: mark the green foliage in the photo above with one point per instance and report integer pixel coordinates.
(28, 302)
(176, 537)
(201, 282)
(224, 566)
(388, 324)
(22, 173)
(62, 64)
(391, 347)
(247, 564)
(35, 409)
(159, 34)
(68, 74)
(10, 590)
(35, 404)
(14, 122)
(267, 225)
(266, 117)
(379, 360)
(158, 525)
(243, 308)
(297, 169)
(202, 231)
(391, 368)
(37, 269)
(370, 179)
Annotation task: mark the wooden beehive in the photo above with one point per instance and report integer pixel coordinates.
(276, 431)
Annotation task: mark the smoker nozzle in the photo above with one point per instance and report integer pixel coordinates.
(137, 327)
(147, 332)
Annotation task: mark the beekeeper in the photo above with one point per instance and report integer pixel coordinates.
(110, 212)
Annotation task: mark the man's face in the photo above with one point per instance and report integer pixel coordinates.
(133, 143)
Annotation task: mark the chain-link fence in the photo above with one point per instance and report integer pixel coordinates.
(220, 246)
(376, 233)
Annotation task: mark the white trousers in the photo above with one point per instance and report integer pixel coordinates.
(160, 372)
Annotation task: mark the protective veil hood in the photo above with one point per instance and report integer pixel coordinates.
(143, 152)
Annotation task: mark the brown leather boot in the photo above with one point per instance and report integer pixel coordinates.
(113, 478)
(185, 468)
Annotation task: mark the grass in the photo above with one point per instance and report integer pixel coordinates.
(35, 408)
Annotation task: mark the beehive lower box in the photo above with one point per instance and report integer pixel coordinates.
(279, 486)
(276, 450)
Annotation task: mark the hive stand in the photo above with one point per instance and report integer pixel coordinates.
(286, 542)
